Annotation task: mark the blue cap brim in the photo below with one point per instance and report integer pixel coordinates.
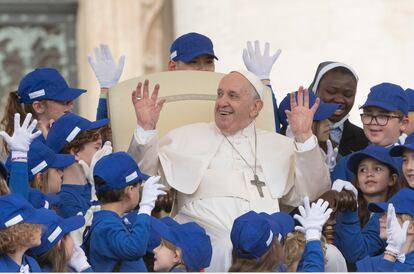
(69, 94)
(284, 221)
(325, 111)
(378, 207)
(40, 216)
(62, 161)
(157, 225)
(72, 223)
(52, 198)
(98, 124)
(195, 55)
(379, 104)
(398, 151)
(357, 157)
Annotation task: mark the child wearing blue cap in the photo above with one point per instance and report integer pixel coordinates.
(110, 245)
(376, 178)
(320, 126)
(384, 120)
(183, 247)
(58, 252)
(256, 238)
(410, 127)
(397, 228)
(75, 135)
(42, 92)
(20, 230)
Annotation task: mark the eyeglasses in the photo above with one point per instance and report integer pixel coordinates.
(380, 119)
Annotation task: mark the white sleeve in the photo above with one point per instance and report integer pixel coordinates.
(307, 145)
(142, 136)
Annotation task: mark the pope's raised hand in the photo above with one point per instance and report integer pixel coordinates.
(147, 108)
(300, 115)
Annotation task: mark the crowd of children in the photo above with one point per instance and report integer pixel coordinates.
(70, 204)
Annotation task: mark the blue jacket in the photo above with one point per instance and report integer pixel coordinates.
(8, 265)
(111, 242)
(74, 199)
(378, 264)
(312, 258)
(356, 243)
(102, 111)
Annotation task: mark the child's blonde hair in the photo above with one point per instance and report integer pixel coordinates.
(18, 235)
(55, 258)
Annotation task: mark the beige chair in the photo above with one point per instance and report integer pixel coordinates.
(190, 98)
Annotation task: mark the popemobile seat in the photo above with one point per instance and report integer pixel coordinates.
(190, 98)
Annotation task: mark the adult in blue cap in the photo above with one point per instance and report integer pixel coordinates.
(396, 227)
(336, 82)
(42, 92)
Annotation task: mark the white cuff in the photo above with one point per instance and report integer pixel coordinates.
(309, 144)
(142, 136)
(19, 156)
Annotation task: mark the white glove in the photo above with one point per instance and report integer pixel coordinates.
(106, 71)
(401, 139)
(339, 185)
(259, 64)
(312, 218)
(23, 136)
(331, 154)
(150, 193)
(78, 261)
(396, 234)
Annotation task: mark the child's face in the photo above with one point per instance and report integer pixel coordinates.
(410, 126)
(88, 150)
(36, 238)
(201, 63)
(374, 177)
(54, 180)
(164, 258)
(408, 166)
(55, 109)
(322, 130)
(387, 134)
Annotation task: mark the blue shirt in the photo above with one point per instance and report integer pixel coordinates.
(312, 258)
(379, 264)
(74, 199)
(8, 265)
(356, 243)
(111, 241)
(102, 112)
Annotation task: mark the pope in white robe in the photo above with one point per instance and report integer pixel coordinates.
(212, 166)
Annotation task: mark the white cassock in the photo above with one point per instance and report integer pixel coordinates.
(213, 181)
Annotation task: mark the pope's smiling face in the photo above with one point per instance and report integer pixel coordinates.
(237, 103)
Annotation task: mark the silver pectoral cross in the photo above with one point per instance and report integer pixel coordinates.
(259, 184)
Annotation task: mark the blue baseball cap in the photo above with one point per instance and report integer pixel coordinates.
(40, 158)
(398, 150)
(390, 97)
(39, 199)
(252, 233)
(67, 127)
(46, 84)
(324, 111)
(191, 45)
(191, 238)
(15, 209)
(55, 229)
(410, 96)
(118, 170)
(403, 202)
(379, 153)
(155, 238)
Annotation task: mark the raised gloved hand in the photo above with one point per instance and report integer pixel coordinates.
(23, 136)
(396, 234)
(78, 261)
(106, 71)
(312, 218)
(259, 64)
(152, 189)
(88, 170)
(339, 185)
(331, 154)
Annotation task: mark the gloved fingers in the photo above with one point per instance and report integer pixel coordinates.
(121, 63)
(299, 218)
(300, 229)
(152, 180)
(306, 203)
(266, 49)
(276, 55)
(302, 211)
(106, 52)
(17, 121)
(246, 57)
(257, 48)
(91, 62)
(250, 49)
(324, 206)
(35, 134)
(98, 56)
(32, 126)
(327, 214)
(405, 227)
(5, 136)
(26, 121)
(391, 217)
(329, 148)
(338, 185)
(161, 192)
(319, 203)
